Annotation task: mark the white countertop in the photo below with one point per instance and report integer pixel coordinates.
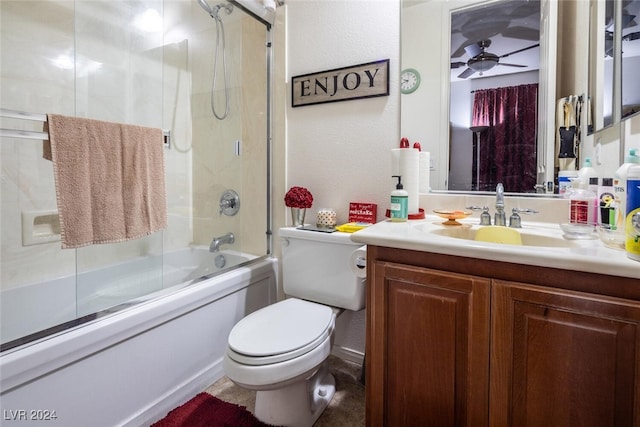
(583, 255)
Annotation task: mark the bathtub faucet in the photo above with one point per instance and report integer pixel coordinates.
(217, 241)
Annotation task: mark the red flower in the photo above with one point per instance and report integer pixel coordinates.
(298, 197)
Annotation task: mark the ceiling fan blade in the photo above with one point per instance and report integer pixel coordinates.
(457, 64)
(519, 50)
(473, 50)
(512, 65)
(631, 36)
(461, 50)
(522, 33)
(466, 73)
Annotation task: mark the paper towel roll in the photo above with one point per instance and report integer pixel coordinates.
(358, 261)
(425, 170)
(406, 163)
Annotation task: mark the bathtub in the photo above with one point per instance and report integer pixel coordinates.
(131, 366)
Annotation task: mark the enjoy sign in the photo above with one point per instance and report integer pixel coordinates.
(341, 84)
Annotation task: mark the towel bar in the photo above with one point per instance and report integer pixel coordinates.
(38, 117)
(15, 114)
(16, 133)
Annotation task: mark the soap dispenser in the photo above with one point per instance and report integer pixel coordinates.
(399, 202)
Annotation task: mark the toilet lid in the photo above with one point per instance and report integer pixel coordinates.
(281, 331)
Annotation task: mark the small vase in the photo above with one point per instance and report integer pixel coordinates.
(297, 216)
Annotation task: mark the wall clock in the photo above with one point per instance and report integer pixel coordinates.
(409, 80)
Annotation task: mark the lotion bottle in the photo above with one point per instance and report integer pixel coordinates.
(587, 171)
(620, 185)
(399, 202)
(632, 220)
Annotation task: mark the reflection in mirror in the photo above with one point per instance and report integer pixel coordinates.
(601, 72)
(630, 58)
(495, 56)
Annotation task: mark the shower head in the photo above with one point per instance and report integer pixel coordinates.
(213, 11)
(205, 6)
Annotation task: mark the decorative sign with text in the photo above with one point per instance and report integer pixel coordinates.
(363, 212)
(341, 84)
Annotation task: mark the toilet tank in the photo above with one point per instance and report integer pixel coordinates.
(316, 266)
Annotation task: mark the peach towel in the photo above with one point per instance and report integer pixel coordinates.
(109, 179)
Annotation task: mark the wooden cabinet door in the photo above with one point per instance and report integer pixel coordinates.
(427, 347)
(563, 358)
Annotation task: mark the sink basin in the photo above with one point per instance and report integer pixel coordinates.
(502, 235)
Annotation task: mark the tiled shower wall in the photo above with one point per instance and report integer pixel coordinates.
(91, 59)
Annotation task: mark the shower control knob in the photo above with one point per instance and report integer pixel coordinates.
(229, 203)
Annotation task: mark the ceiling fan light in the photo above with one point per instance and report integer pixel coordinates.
(481, 65)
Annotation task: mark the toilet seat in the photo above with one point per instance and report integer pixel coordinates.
(280, 332)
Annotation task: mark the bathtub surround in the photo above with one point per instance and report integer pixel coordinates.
(109, 179)
(132, 367)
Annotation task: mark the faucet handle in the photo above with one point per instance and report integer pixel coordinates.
(514, 220)
(527, 211)
(485, 216)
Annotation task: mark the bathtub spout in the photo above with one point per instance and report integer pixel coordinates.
(218, 241)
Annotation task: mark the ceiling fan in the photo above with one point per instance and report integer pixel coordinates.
(628, 21)
(480, 60)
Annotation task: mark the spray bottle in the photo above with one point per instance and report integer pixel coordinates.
(399, 202)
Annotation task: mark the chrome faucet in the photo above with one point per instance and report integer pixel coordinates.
(218, 241)
(500, 218)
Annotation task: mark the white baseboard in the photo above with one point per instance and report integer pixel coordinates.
(348, 354)
(155, 411)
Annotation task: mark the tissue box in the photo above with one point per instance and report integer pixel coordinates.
(363, 212)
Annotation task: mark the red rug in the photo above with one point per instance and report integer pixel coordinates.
(205, 410)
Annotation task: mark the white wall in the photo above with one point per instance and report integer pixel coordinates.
(341, 151)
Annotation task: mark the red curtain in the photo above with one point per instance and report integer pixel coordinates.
(508, 146)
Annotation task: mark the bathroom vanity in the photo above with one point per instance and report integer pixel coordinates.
(465, 333)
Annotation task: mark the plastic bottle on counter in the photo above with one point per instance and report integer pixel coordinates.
(620, 185)
(582, 204)
(632, 219)
(399, 202)
(594, 183)
(587, 171)
(564, 181)
(606, 205)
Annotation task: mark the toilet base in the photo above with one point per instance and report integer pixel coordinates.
(299, 404)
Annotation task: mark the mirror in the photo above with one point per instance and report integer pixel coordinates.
(494, 80)
(482, 45)
(602, 57)
(614, 64)
(630, 83)
(563, 70)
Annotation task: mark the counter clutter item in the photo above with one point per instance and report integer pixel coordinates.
(352, 227)
(574, 231)
(452, 216)
(326, 218)
(318, 229)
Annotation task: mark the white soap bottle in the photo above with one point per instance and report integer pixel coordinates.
(587, 171)
(399, 202)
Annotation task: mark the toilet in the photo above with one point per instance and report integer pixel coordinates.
(281, 350)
